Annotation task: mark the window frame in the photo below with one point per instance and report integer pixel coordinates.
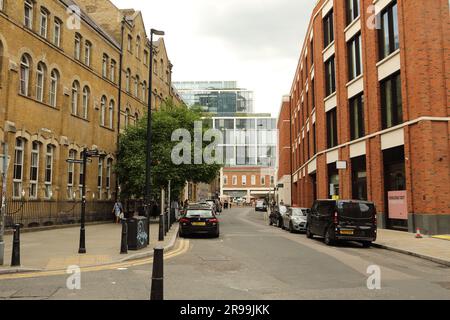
(43, 27)
(328, 29)
(397, 99)
(390, 12)
(18, 167)
(356, 103)
(330, 79)
(332, 129)
(354, 53)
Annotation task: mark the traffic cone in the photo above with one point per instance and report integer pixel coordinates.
(418, 234)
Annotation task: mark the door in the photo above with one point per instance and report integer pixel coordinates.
(325, 215)
(313, 218)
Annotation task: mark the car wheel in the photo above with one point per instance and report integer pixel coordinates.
(366, 244)
(328, 240)
(309, 234)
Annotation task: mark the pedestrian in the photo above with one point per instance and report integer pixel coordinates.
(282, 203)
(118, 211)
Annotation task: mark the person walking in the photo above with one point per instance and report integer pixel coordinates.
(118, 211)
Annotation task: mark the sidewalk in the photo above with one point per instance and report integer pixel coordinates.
(436, 250)
(57, 249)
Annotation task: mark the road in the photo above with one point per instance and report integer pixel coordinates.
(252, 261)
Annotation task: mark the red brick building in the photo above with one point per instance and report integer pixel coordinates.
(284, 172)
(370, 110)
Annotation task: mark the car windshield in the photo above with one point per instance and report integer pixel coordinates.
(357, 210)
(260, 203)
(299, 212)
(199, 214)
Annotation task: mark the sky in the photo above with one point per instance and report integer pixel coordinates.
(254, 42)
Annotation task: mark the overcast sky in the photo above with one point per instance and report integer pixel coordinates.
(255, 42)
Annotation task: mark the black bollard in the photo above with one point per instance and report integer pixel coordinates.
(166, 223)
(157, 292)
(124, 242)
(15, 259)
(161, 228)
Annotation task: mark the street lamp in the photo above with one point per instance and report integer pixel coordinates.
(149, 134)
(86, 154)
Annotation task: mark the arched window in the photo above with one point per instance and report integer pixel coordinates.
(127, 81)
(105, 66)
(138, 47)
(136, 118)
(34, 170)
(136, 86)
(86, 97)
(54, 79)
(112, 71)
(75, 97)
(127, 118)
(57, 32)
(28, 14)
(40, 81)
(162, 68)
(111, 114)
(77, 48)
(24, 75)
(87, 53)
(43, 23)
(48, 171)
(144, 91)
(102, 111)
(108, 177)
(18, 168)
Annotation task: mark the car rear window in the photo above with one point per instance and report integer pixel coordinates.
(357, 210)
(299, 212)
(199, 214)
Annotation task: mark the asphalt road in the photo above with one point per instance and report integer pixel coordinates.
(253, 261)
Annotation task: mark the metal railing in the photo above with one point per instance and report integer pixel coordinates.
(32, 214)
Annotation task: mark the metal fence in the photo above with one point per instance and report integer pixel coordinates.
(32, 214)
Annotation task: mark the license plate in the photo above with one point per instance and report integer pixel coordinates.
(199, 224)
(347, 232)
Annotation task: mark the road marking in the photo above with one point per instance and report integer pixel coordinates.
(182, 248)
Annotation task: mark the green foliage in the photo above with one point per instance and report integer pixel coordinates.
(131, 163)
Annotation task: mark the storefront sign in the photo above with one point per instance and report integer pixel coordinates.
(398, 205)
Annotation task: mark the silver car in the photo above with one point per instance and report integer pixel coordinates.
(295, 219)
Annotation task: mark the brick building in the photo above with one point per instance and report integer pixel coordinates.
(60, 91)
(370, 110)
(284, 190)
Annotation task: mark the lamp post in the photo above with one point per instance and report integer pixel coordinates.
(87, 154)
(149, 133)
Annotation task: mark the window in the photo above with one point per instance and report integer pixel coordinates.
(313, 94)
(24, 75)
(54, 79)
(312, 51)
(40, 81)
(235, 181)
(357, 117)
(328, 29)
(253, 180)
(127, 81)
(144, 91)
(314, 139)
(70, 174)
(48, 172)
(138, 47)
(100, 178)
(391, 101)
(145, 57)
(87, 53)
(354, 57)
(77, 51)
(34, 170)
(57, 33)
(105, 66)
(272, 180)
(1, 5)
(332, 139)
(18, 168)
(103, 111)
(111, 114)
(352, 10)
(155, 66)
(330, 77)
(129, 44)
(127, 118)
(136, 86)
(28, 14)
(244, 180)
(108, 177)
(86, 97)
(136, 118)
(263, 180)
(359, 178)
(43, 24)
(388, 36)
(75, 97)
(112, 71)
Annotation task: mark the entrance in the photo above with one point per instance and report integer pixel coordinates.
(394, 180)
(359, 178)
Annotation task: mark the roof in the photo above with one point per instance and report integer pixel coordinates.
(85, 17)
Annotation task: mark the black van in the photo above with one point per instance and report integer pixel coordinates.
(348, 220)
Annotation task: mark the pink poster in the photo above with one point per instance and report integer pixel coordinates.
(398, 205)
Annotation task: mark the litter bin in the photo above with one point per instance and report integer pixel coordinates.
(137, 233)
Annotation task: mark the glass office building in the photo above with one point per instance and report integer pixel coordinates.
(248, 141)
(217, 97)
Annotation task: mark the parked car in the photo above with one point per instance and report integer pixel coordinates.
(277, 215)
(199, 220)
(347, 220)
(261, 205)
(295, 219)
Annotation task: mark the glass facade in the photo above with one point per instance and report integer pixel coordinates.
(216, 97)
(248, 141)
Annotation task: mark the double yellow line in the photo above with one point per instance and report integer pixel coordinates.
(182, 247)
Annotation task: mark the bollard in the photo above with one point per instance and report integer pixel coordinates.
(15, 259)
(157, 291)
(124, 242)
(166, 223)
(161, 228)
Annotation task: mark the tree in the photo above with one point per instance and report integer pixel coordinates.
(131, 162)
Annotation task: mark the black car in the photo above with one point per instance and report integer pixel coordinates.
(200, 220)
(347, 220)
(276, 217)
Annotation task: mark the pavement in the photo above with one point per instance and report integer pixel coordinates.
(57, 249)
